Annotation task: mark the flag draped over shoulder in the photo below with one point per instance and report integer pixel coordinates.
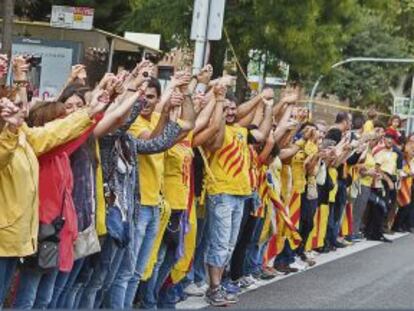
(280, 221)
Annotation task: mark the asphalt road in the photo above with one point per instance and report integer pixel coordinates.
(381, 277)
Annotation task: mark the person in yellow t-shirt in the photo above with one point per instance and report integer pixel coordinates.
(178, 194)
(227, 192)
(151, 169)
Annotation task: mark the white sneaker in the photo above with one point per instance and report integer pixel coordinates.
(298, 265)
(310, 255)
(195, 290)
(254, 282)
(203, 286)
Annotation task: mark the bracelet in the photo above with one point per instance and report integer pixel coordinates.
(21, 83)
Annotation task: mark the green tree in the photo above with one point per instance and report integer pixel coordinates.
(108, 13)
(366, 84)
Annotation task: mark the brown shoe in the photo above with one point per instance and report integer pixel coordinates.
(293, 270)
(285, 269)
(307, 260)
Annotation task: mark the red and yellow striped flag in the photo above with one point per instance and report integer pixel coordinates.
(318, 234)
(286, 228)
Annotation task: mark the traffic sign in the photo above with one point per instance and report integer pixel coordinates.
(207, 14)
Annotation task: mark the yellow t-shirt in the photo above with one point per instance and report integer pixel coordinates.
(368, 164)
(388, 161)
(177, 173)
(298, 167)
(151, 166)
(229, 164)
(368, 127)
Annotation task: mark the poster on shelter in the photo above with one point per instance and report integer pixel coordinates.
(52, 69)
(72, 17)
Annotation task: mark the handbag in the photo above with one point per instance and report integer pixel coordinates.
(172, 232)
(312, 189)
(47, 256)
(87, 242)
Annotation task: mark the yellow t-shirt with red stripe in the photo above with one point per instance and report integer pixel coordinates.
(151, 166)
(230, 164)
(177, 173)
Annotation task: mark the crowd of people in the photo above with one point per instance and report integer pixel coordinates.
(122, 195)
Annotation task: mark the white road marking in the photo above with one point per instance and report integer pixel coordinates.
(321, 259)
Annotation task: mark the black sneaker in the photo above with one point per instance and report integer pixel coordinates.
(339, 245)
(216, 297)
(384, 239)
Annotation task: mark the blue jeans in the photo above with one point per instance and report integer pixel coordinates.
(287, 256)
(254, 253)
(340, 203)
(64, 281)
(197, 273)
(225, 213)
(154, 293)
(126, 285)
(102, 267)
(35, 289)
(70, 298)
(7, 269)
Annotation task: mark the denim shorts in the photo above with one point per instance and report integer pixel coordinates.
(225, 213)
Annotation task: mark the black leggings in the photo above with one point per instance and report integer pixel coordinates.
(375, 218)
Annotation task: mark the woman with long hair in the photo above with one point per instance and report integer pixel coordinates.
(20, 146)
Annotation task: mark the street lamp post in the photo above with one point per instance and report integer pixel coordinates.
(359, 59)
(363, 59)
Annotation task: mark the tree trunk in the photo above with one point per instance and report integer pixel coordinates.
(7, 34)
(241, 83)
(217, 55)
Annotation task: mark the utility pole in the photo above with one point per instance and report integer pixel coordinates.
(7, 34)
(200, 20)
(207, 26)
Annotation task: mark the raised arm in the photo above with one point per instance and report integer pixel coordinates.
(268, 147)
(263, 131)
(204, 116)
(245, 108)
(115, 119)
(213, 128)
(181, 81)
(57, 132)
(251, 117)
(187, 114)
(160, 143)
(216, 142)
(289, 152)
